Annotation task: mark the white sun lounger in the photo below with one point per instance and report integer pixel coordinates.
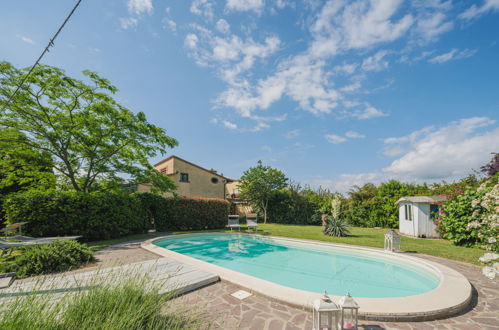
(234, 221)
(252, 221)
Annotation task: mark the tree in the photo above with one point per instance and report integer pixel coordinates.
(258, 184)
(22, 167)
(92, 139)
(492, 167)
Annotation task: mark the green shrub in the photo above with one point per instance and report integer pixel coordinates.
(469, 217)
(291, 207)
(95, 216)
(337, 228)
(57, 256)
(193, 214)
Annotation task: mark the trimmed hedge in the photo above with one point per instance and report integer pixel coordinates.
(193, 214)
(96, 216)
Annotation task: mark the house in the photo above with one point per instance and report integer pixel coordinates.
(193, 180)
(417, 213)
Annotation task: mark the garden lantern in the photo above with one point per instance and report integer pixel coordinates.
(325, 314)
(392, 241)
(349, 312)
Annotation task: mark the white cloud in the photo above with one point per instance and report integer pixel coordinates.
(355, 25)
(292, 134)
(202, 8)
(139, 7)
(335, 139)
(448, 152)
(430, 27)
(229, 125)
(170, 24)
(26, 39)
(129, 22)
(475, 11)
(354, 135)
(375, 62)
(191, 41)
(317, 78)
(267, 148)
(368, 112)
(453, 54)
(245, 5)
(430, 154)
(222, 26)
(351, 88)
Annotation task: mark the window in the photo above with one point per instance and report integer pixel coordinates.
(164, 170)
(408, 212)
(184, 177)
(214, 180)
(434, 211)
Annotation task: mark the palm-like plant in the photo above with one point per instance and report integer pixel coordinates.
(336, 227)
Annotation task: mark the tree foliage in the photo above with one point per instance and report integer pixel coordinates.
(259, 183)
(92, 140)
(23, 167)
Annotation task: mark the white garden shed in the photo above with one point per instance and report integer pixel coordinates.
(416, 215)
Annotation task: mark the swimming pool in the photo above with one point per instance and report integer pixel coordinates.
(308, 267)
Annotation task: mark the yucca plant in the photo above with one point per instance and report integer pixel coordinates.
(336, 227)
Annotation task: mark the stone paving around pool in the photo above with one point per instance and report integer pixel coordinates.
(222, 311)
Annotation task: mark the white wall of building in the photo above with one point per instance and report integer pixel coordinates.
(421, 224)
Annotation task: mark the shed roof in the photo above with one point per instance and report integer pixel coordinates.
(423, 199)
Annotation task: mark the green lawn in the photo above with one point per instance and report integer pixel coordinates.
(358, 236)
(375, 238)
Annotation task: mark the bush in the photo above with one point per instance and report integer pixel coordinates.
(337, 228)
(470, 216)
(192, 214)
(58, 256)
(96, 216)
(291, 207)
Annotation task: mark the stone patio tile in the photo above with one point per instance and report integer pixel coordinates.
(275, 325)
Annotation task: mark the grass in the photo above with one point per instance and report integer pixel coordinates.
(126, 304)
(375, 238)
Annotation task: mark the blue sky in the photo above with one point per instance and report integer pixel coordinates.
(334, 93)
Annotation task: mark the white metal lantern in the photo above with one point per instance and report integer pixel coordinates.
(349, 312)
(392, 241)
(325, 314)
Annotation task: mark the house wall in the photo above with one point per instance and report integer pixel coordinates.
(199, 185)
(232, 188)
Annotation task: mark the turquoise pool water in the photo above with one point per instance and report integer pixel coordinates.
(306, 267)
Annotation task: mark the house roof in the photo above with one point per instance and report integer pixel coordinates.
(423, 199)
(202, 168)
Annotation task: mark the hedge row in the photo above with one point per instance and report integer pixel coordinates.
(98, 216)
(193, 214)
(95, 216)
